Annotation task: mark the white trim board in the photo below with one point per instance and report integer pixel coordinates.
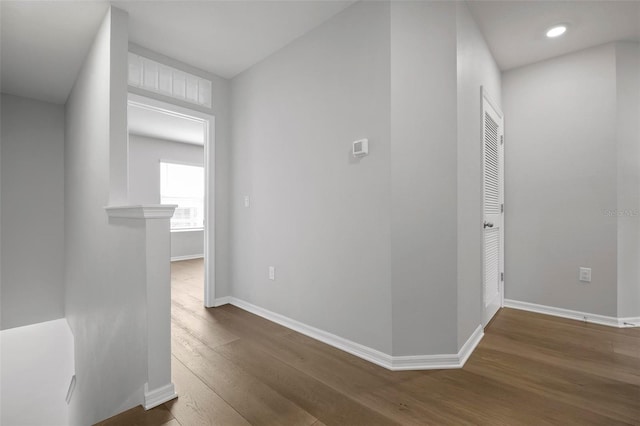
(226, 300)
(394, 363)
(574, 315)
(208, 122)
(151, 211)
(187, 257)
(155, 397)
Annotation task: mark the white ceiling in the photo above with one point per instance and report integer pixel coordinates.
(223, 37)
(515, 30)
(155, 124)
(43, 43)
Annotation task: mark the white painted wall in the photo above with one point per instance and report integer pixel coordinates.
(36, 369)
(35, 373)
(187, 245)
(476, 68)
(628, 139)
(319, 216)
(423, 160)
(105, 290)
(145, 154)
(220, 156)
(561, 177)
(32, 211)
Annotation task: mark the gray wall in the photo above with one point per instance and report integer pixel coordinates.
(628, 139)
(476, 68)
(561, 177)
(220, 156)
(423, 177)
(319, 216)
(32, 211)
(145, 154)
(374, 241)
(105, 287)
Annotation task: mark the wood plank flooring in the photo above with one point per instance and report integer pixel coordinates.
(231, 367)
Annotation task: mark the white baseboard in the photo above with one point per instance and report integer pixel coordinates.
(432, 362)
(187, 257)
(629, 322)
(219, 301)
(574, 315)
(414, 362)
(155, 397)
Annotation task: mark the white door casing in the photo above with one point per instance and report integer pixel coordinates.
(208, 123)
(492, 208)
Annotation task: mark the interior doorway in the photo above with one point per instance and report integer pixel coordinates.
(171, 161)
(492, 207)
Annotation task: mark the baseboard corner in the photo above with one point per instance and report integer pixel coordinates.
(219, 301)
(158, 396)
(394, 363)
(439, 361)
(470, 345)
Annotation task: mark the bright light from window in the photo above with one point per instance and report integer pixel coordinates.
(556, 31)
(183, 185)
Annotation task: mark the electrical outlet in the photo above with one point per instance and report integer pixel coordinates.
(272, 273)
(585, 275)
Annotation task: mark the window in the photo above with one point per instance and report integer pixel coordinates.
(183, 185)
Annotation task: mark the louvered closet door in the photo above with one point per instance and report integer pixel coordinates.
(493, 229)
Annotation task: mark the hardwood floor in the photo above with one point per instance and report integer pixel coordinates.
(231, 367)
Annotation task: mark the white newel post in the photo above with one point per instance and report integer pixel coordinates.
(159, 388)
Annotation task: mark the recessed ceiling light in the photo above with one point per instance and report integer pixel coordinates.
(556, 31)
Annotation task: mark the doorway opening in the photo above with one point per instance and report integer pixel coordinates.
(171, 162)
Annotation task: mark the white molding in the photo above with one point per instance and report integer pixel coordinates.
(470, 345)
(395, 363)
(187, 257)
(432, 362)
(364, 352)
(158, 396)
(186, 230)
(209, 123)
(570, 314)
(166, 80)
(221, 301)
(629, 322)
(151, 211)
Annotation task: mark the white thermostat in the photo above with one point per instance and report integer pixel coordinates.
(361, 147)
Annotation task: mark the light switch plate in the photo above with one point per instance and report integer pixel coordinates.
(585, 275)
